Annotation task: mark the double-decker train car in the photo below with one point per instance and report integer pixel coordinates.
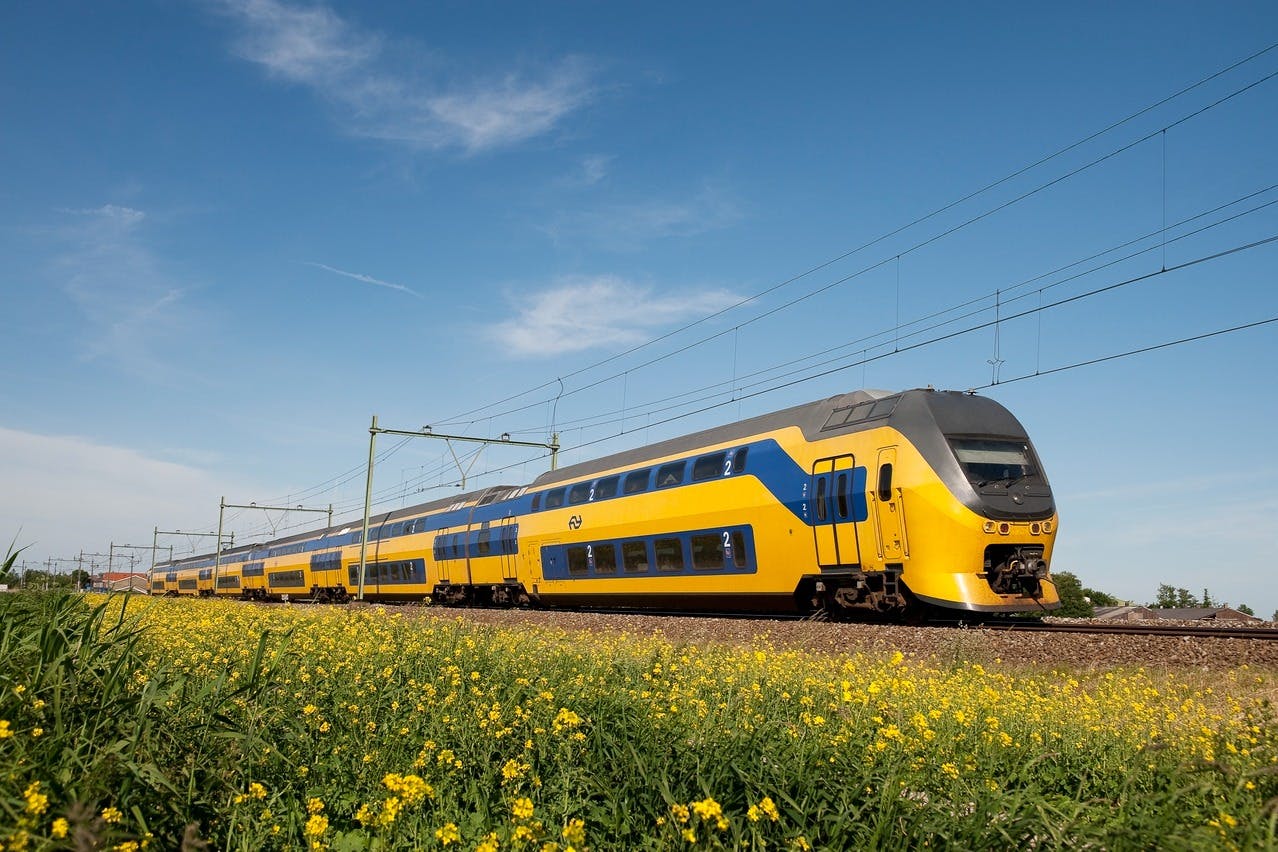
(870, 501)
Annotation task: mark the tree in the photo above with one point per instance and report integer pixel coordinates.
(1074, 604)
(81, 579)
(1165, 597)
(1243, 608)
(1099, 598)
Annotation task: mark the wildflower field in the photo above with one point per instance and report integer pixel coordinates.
(136, 723)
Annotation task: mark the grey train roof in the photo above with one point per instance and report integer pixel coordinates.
(809, 417)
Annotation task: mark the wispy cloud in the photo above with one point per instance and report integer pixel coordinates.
(351, 68)
(601, 312)
(367, 279)
(70, 493)
(131, 303)
(590, 171)
(631, 226)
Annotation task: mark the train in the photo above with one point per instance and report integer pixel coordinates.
(868, 503)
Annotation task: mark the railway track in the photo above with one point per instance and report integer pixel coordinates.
(1260, 634)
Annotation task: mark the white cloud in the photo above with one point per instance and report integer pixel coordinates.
(65, 494)
(314, 47)
(631, 226)
(603, 312)
(130, 302)
(367, 279)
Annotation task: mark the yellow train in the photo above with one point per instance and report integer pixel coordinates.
(894, 503)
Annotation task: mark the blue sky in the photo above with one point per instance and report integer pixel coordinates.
(231, 232)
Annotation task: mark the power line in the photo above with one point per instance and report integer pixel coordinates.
(456, 419)
(842, 280)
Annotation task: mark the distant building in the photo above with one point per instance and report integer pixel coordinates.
(1196, 613)
(121, 581)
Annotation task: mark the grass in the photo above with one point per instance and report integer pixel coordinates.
(139, 723)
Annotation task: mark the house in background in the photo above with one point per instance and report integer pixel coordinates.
(1197, 613)
(121, 581)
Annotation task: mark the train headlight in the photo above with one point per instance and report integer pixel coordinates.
(1047, 526)
(989, 526)
(1035, 529)
(1004, 528)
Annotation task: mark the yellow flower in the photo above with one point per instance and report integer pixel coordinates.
(575, 832)
(257, 791)
(489, 843)
(37, 732)
(448, 834)
(112, 815)
(316, 825)
(5, 733)
(59, 829)
(689, 835)
(522, 809)
(126, 846)
(314, 805)
(37, 802)
(708, 809)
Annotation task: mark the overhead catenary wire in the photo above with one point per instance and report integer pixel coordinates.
(460, 418)
(457, 420)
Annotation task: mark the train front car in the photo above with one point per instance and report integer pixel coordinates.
(957, 500)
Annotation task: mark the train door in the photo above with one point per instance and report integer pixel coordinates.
(508, 538)
(888, 509)
(833, 512)
(533, 562)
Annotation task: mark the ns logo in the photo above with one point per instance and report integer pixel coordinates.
(574, 523)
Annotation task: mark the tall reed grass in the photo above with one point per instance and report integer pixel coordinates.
(139, 723)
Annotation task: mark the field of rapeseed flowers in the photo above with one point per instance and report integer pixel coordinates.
(153, 724)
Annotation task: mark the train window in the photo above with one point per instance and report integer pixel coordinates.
(554, 499)
(739, 460)
(606, 488)
(986, 460)
(885, 482)
(536, 501)
(707, 551)
(605, 559)
(637, 481)
(634, 556)
(837, 418)
(669, 554)
(485, 547)
(709, 467)
(578, 560)
(579, 493)
(738, 549)
(883, 407)
(670, 474)
(821, 510)
(842, 507)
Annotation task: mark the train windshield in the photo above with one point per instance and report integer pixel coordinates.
(987, 460)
